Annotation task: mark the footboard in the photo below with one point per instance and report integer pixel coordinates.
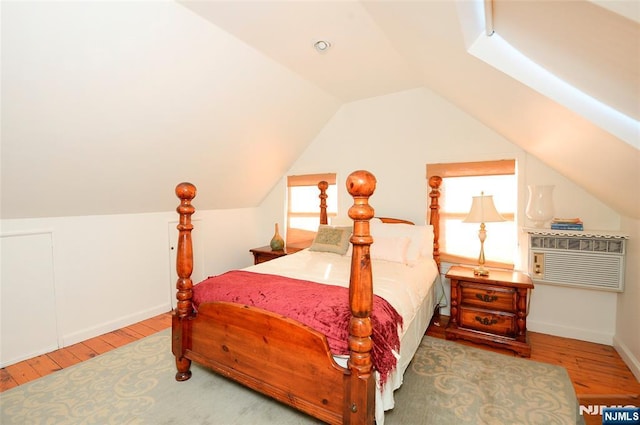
(274, 355)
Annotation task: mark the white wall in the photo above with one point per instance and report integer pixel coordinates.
(591, 314)
(627, 337)
(394, 136)
(115, 270)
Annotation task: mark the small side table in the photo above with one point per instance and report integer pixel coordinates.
(490, 309)
(265, 253)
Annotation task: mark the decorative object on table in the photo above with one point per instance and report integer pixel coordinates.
(567, 224)
(277, 243)
(540, 204)
(482, 211)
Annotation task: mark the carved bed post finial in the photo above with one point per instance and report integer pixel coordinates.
(323, 185)
(184, 259)
(434, 218)
(361, 185)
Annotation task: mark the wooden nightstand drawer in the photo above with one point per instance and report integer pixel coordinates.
(265, 253)
(490, 309)
(491, 322)
(265, 256)
(486, 296)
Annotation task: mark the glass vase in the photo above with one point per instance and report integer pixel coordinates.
(540, 204)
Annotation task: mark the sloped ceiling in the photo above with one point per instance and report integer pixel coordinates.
(185, 74)
(106, 106)
(378, 47)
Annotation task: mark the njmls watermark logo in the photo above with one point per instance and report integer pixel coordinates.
(621, 416)
(599, 410)
(614, 409)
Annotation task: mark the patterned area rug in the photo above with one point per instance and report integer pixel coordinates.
(450, 383)
(447, 383)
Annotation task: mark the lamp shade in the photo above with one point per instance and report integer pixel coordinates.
(483, 211)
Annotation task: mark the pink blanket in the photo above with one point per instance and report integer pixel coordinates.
(324, 308)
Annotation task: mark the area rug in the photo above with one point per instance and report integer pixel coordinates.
(451, 383)
(447, 383)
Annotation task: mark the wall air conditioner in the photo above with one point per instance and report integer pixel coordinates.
(590, 260)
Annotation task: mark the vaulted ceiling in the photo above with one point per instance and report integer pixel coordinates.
(128, 88)
(561, 79)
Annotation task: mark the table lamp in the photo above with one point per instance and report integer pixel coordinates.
(482, 211)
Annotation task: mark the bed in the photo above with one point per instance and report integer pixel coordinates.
(291, 361)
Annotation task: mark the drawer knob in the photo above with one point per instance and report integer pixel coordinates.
(486, 321)
(487, 298)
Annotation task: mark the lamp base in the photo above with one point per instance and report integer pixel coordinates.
(480, 271)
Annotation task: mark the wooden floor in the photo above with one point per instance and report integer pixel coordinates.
(597, 372)
(28, 370)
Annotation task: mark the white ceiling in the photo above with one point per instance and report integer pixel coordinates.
(374, 43)
(361, 62)
(124, 89)
(378, 47)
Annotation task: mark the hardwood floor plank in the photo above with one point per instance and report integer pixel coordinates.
(160, 322)
(99, 344)
(82, 351)
(118, 338)
(131, 333)
(43, 365)
(22, 372)
(6, 380)
(64, 357)
(143, 329)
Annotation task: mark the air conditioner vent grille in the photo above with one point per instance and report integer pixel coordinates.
(575, 260)
(594, 271)
(613, 246)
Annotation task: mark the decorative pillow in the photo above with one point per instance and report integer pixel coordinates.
(390, 249)
(332, 239)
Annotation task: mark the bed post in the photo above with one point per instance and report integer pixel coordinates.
(323, 185)
(434, 219)
(184, 267)
(360, 393)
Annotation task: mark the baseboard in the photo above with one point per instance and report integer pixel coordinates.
(118, 323)
(44, 350)
(568, 332)
(627, 356)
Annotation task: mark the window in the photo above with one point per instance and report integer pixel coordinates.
(459, 241)
(303, 206)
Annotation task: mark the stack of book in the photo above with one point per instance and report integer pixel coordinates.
(567, 224)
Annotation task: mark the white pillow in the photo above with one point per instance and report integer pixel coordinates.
(421, 237)
(427, 249)
(390, 249)
(341, 221)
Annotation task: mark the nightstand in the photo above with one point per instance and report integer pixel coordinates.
(490, 309)
(264, 253)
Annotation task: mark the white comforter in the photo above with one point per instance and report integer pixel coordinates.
(403, 286)
(408, 288)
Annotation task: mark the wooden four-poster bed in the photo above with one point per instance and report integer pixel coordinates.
(290, 361)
